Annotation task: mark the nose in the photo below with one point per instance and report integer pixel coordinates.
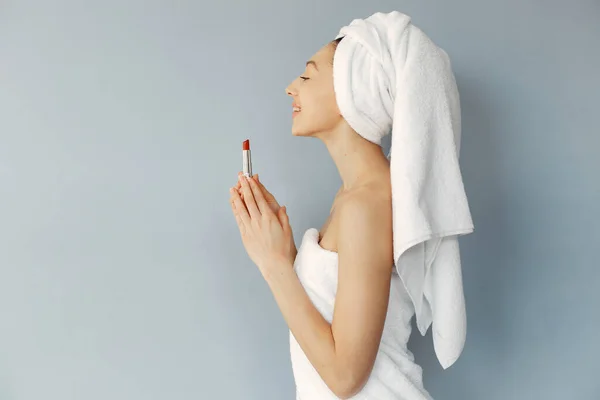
(291, 90)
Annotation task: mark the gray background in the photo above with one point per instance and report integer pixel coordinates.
(122, 275)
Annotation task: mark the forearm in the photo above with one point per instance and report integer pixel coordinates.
(312, 332)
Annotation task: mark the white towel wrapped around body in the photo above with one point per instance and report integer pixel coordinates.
(390, 78)
(395, 374)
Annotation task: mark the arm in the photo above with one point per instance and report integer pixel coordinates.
(343, 353)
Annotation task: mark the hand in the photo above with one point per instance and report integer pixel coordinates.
(266, 235)
(273, 204)
(271, 201)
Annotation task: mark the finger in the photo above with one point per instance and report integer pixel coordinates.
(238, 188)
(267, 194)
(231, 202)
(281, 216)
(232, 193)
(249, 199)
(238, 218)
(260, 199)
(241, 210)
(284, 219)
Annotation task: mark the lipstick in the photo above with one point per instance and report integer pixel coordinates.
(246, 159)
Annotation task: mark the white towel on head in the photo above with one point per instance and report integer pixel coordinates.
(389, 77)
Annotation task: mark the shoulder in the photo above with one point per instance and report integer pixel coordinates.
(365, 225)
(370, 206)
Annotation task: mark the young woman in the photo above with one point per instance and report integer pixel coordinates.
(348, 312)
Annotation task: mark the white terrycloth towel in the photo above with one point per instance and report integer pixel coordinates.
(389, 77)
(394, 375)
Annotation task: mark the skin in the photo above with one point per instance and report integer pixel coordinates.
(359, 229)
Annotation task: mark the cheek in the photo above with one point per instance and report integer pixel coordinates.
(323, 105)
(319, 109)
(317, 116)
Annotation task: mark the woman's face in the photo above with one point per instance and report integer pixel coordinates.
(313, 93)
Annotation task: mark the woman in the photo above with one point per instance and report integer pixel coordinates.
(348, 312)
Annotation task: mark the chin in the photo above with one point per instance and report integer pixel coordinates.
(296, 131)
(299, 130)
(302, 134)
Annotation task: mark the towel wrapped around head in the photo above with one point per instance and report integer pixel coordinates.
(390, 78)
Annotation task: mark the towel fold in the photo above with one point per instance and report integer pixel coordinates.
(389, 77)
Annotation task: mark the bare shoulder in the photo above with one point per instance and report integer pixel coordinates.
(369, 205)
(365, 224)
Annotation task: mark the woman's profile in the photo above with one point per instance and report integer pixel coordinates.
(349, 291)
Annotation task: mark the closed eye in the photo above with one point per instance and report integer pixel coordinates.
(304, 78)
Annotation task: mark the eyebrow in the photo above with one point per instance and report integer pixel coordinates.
(313, 63)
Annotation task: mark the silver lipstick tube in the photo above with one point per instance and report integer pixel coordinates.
(246, 163)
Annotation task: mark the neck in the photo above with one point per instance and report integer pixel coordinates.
(358, 160)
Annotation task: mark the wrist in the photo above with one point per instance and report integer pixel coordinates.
(276, 267)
